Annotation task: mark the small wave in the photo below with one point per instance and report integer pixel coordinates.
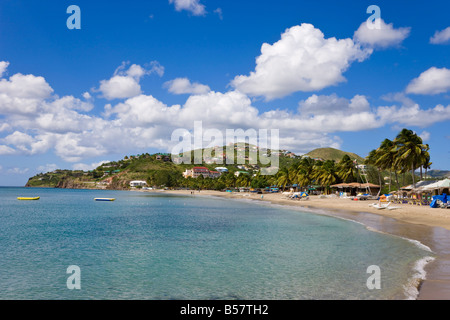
(412, 287)
(420, 245)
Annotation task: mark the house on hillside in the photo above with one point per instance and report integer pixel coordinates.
(163, 157)
(138, 183)
(214, 174)
(201, 171)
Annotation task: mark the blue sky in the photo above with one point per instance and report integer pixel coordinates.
(137, 70)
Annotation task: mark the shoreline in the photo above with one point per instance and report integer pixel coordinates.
(428, 226)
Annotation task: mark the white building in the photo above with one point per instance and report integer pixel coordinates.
(138, 183)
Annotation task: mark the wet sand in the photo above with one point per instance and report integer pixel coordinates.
(429, 226)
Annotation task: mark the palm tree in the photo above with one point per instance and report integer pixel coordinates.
(346, 168)
(424, 159)
(306, 173)
(243, 180)
(410, 149)
(301, 173)
(325, 173)
(386, 156)
(427, 165)
(283, 178)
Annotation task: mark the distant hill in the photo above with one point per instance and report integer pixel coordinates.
(438, 174)
(333, 154)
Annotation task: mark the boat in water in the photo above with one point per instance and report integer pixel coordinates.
(28, 198)
(104, 199)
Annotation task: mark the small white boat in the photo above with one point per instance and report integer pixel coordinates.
(379, 205)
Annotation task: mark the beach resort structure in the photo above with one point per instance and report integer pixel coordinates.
(138, 183)
(426, 188)
(201, 171)
(354, 188)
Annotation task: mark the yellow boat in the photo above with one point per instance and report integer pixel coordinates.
(28, 198)
(104, 199)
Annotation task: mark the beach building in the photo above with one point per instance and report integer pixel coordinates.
(354, 188)
(201, 171)
(163, 157)
(138, 183)
(291, 155)
(214, 174)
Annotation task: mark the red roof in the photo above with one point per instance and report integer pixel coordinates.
(200, 169)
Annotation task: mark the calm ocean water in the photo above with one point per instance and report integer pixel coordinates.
(158, 246)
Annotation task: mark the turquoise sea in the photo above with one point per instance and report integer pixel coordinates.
(160, 246)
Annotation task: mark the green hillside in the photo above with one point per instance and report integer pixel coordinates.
(151, 168)
(332, 154)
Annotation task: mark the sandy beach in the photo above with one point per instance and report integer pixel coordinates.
(429, 226)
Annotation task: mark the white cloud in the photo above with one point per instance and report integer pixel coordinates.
(4, 150)
(302, 60)
(184, 86)
(220, 110)
(119, 87)
(25, 143)
(317, 105)
(87, 167)
(3, 66)
(19, 139)
(17, 170)
(155, 67)
(441, 37)
(425, 135)
(49, 167)
(87, 96)
(413, 115)
(432, 81)
(144, 110)
(73, 147)
(22, 94)
(219, 13)
(69, 102)
(4, 127)
(383, 37)
(125, 82)
(193, 6)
